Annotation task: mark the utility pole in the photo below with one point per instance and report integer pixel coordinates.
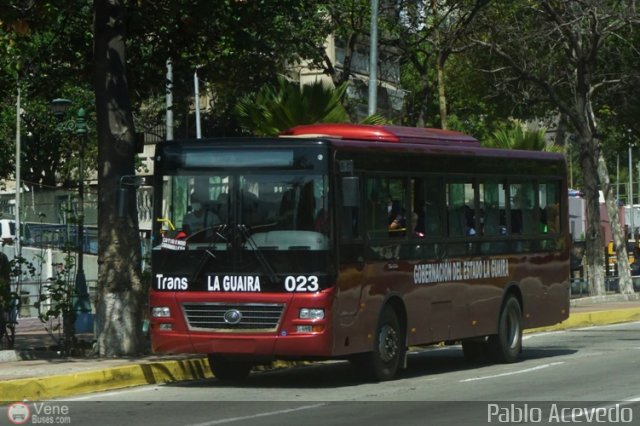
(630, 199)
(18, 246)
(196, 89)
(373, 59)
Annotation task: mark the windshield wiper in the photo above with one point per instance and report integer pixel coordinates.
(208, 252)
(271, 273)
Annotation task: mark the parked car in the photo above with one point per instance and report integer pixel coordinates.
(8, 231)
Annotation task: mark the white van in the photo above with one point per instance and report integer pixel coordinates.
(8, 231)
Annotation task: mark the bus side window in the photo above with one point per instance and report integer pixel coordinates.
(492, 199)
(522, 208)
(386, 207)
(550, 207)
(433, 207)
(348, 220)
(461, 209)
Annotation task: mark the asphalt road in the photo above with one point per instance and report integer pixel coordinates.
(586, 375)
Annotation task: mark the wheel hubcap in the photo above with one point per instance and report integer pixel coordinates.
(388, 343)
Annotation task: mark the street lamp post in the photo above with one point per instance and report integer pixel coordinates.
(82, 305)
(81, 302)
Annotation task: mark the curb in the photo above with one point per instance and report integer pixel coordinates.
(103, 380)
(585, 319)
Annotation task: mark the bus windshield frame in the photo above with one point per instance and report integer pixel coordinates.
(262, 217)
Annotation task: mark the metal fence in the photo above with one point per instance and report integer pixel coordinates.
(30, 292)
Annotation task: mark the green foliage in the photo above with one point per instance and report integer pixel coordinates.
(277, 108)
(56, 302)
(47, 49)
(237, 47)
(517, 135)
(376, 119)
(45, 43)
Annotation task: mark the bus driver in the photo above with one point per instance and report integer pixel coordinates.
(199, 218)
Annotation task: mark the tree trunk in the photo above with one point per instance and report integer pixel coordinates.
(121, 295)
(624, 269)
(442, 99)
(594, 246)
(440, 61)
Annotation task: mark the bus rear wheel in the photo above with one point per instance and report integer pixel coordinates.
(506, 346)
(388, 352)
(228, 369)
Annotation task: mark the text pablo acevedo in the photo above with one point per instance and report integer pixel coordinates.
(555, 413)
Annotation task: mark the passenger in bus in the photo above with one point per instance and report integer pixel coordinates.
(199, 218)
(470, 226)
(397, 219)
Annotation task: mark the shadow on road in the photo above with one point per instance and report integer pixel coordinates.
(336, 374)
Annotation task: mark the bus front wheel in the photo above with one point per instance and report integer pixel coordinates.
(228, 369)
(505, 346)
(388, 352)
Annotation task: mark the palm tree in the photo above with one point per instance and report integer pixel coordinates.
(517, 135)
(277, 108)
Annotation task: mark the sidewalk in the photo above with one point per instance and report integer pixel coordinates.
(34, 372)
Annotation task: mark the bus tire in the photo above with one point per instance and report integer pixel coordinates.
(388, 352)
(505, 347)
(228, 369)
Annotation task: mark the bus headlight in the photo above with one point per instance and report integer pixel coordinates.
(160, 312)
(311, 313)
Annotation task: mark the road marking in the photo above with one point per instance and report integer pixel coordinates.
(511, 373)
(542, 334)
(255, 416)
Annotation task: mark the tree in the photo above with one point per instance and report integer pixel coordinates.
(121, 291)
(556, 51)
(278, 108)
(517, 135)
(237, 47)
(350, 22)
(427, 34)
(42, 46)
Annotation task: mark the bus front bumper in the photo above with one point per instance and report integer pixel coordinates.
(310, 345)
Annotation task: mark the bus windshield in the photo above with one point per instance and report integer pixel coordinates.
(278, 210)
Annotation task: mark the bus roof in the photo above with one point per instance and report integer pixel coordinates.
(377, 133)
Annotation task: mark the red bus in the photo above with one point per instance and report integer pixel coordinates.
(341, 241)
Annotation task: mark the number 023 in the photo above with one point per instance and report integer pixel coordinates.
(301, 283)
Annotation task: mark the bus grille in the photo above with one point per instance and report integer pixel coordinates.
(224, 317)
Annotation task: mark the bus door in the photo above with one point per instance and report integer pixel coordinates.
(350, 249)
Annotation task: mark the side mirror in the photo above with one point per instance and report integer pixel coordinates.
(351, 191)
(122, 202)
(127, 182)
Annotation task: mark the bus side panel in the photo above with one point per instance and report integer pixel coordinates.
(447, 310)
(544, 283)
(356, 310)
